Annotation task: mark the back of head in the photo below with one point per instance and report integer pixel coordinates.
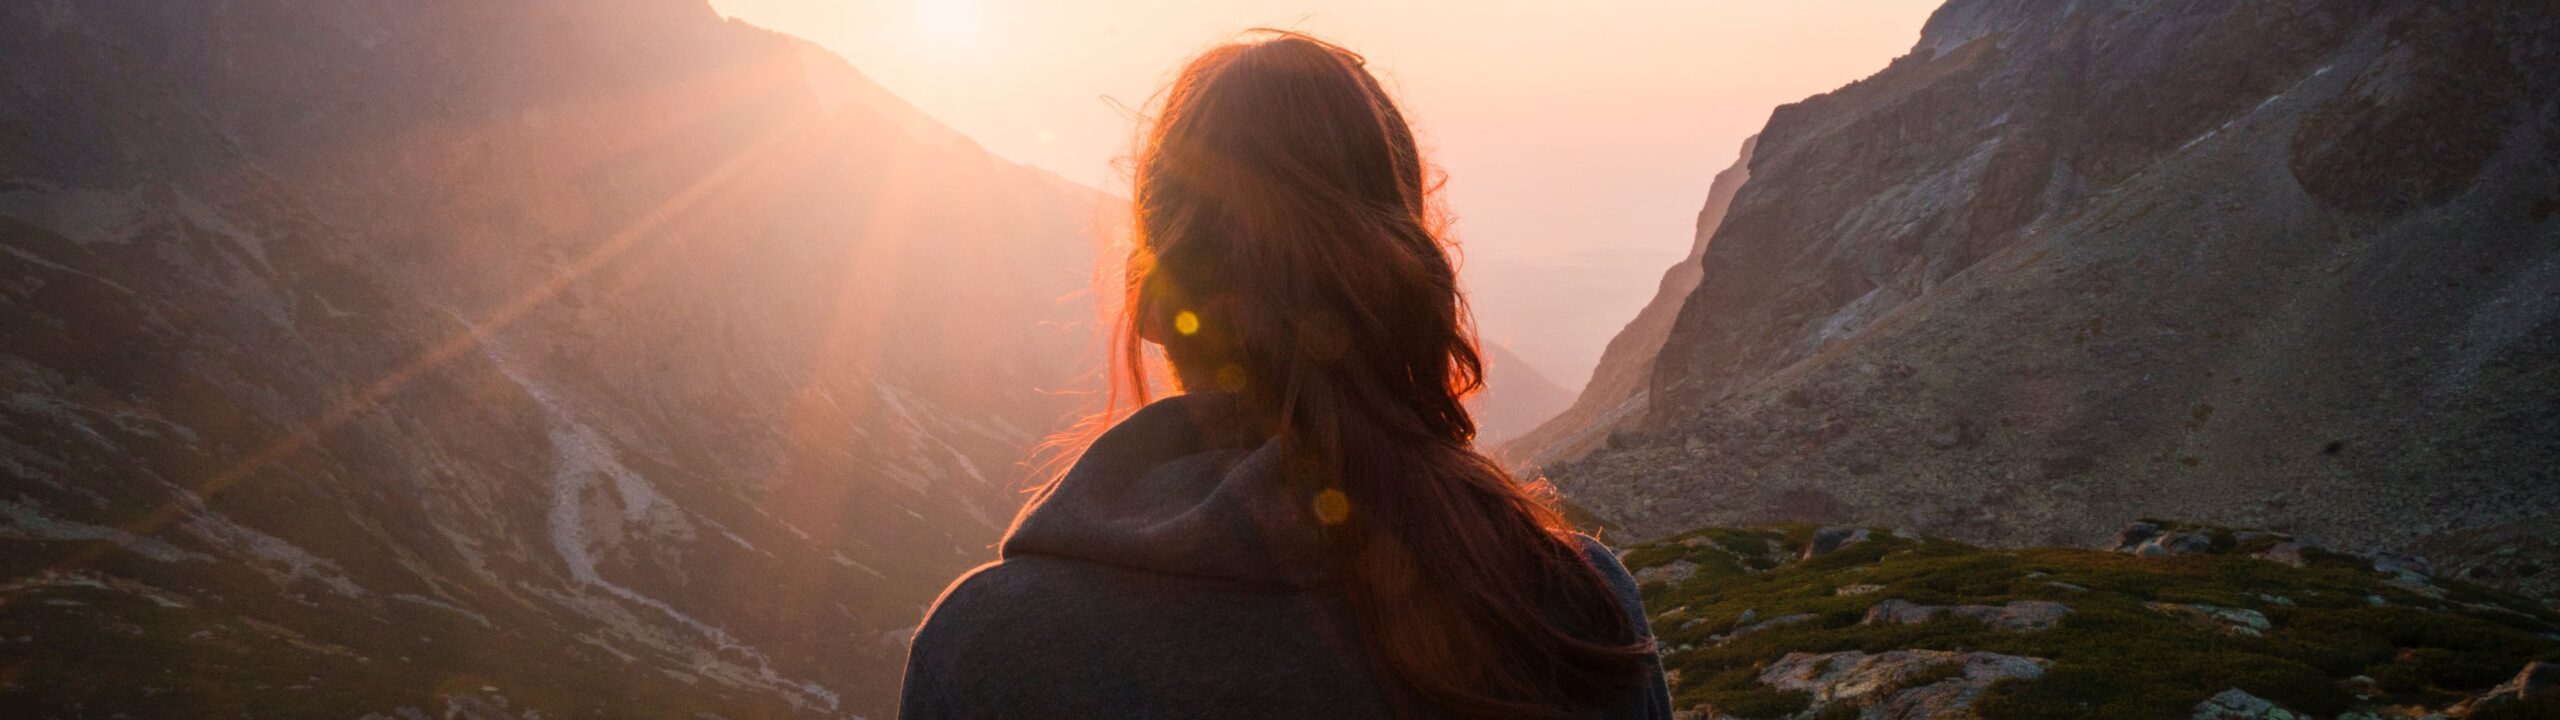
(1289, 251)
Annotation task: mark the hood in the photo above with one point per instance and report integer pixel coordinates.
(1172, 489)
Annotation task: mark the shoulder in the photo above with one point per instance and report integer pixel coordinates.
(1621, 583)
(988, 592)
(1652, 699)
(1604, 560)
(981, 613)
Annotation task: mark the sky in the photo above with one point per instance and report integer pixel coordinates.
(1578, 138)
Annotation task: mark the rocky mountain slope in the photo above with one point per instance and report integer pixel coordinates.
(1616, 394)
(2291, 265)
(2180, 621)
(497, 359)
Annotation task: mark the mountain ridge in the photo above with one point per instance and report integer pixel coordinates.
(499, 359)
(2063, 266)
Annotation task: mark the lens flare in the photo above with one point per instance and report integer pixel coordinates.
(1332, 506)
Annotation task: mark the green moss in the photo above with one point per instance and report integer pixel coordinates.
(2114, 655)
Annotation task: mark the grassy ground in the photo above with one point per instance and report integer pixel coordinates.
(2342, 638)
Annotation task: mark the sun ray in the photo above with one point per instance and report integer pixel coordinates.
(472, 335)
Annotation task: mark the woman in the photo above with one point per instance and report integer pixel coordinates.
(1306, 531)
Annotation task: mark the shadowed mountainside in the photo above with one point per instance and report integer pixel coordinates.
(2291, 265)
(1615, 396)
(483, 359)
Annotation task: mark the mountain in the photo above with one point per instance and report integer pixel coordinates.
(2291, 265)
(2179, 621)
(1616, 394)
(1516, 397)
(498, 359)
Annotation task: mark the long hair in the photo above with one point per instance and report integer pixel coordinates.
(1288, 249)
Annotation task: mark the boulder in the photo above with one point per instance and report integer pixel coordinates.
(1764, 626)
(1831, 539)
(1670, 573)
(2020, 615)
(2409, 568)
(2289, 553)
(2234, 704)
(2174, 544)
(1878, 682)
(2241, 621)
(2132, 536)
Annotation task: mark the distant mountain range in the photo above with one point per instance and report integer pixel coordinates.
(1516, 397)
(498, 359)
(2291, 265)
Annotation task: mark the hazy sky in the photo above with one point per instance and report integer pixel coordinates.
(1578, 137)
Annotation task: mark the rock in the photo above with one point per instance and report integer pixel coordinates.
(1748, 615)
(2132, 536)
(2540, 680)
(1900, 611)
(2410, 568)
(2237, 620)
(1764, 626)
(2234, 704)
(2276, 599)
(2419, 586)
(2174, 544)
(1953, 698)
(1668, 574)
(2064, 586)
(2021, 615)
(2289, 553)
(1876, 681)
(1832, 539)
(1858, 589)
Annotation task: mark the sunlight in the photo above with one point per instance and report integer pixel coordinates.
(949, 25)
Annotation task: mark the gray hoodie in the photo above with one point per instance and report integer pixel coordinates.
(1169, 575)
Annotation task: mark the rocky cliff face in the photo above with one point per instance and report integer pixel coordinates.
(587, 359)
(1615, 397)
(2290, 264)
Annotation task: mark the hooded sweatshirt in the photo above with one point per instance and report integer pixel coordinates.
(1170, 574)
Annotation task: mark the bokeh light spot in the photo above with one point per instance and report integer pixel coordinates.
(1186, 322)
(1333, 507)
